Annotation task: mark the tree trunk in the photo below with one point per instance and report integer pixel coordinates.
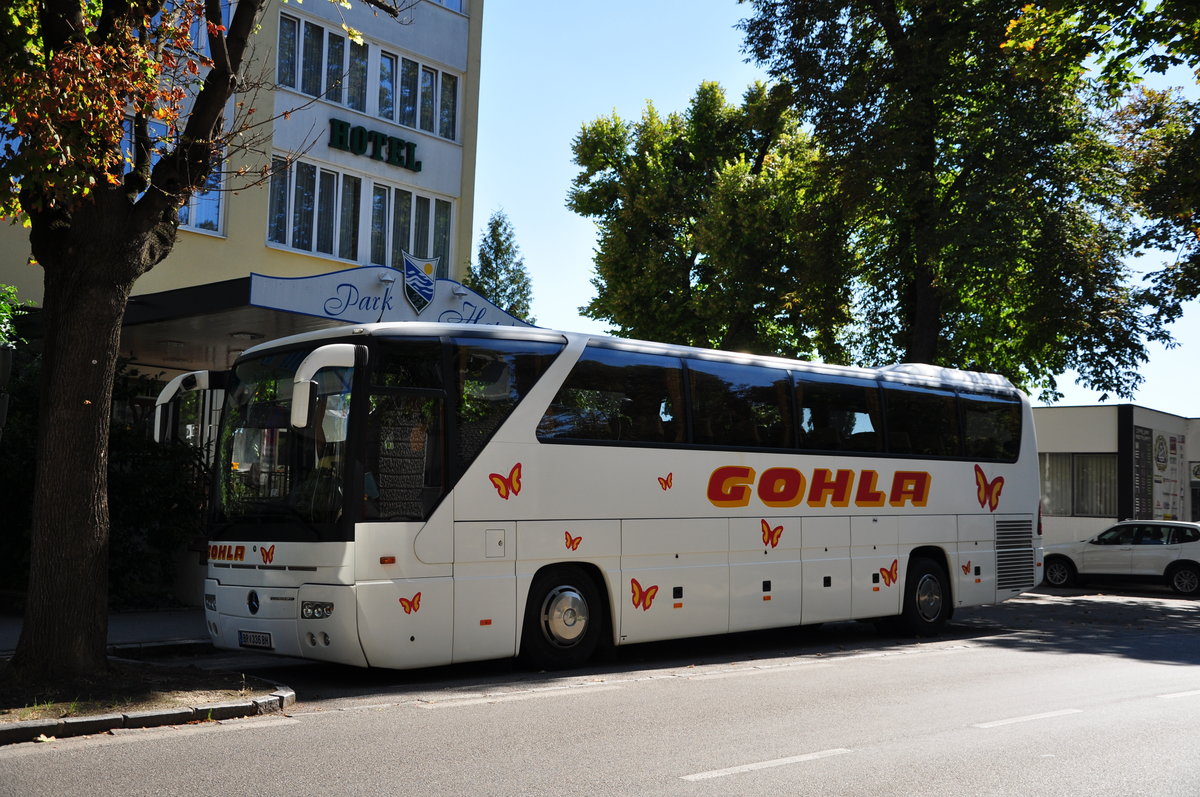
(91, 259)
(66, 616)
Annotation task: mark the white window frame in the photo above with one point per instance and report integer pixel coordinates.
(389, 219)
(429, 111)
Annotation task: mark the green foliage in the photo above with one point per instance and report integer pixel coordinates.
(500, 275)
(10, 308)
(711, 232)
(1159, 132)
(985, 202)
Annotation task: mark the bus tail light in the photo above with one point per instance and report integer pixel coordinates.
(1039, 523)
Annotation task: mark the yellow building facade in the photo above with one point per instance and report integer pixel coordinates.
(369, 152)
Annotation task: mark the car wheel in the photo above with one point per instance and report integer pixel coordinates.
(926, 598)
(564, 619)
(1184, 578)
(1060, 572)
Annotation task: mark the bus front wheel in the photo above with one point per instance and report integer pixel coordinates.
(563, 619)
(926, 598)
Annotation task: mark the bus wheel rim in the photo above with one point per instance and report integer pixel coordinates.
(564, 616)
(929, 598)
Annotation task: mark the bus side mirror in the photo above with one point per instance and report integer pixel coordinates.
(304, 393)
(164, 407)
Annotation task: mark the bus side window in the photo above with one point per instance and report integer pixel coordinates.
(921, 421)
(493, 376)
(838, 414)
(991, 426)
(740, 405)
(618, 396)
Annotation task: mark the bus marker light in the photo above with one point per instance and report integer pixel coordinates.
(766, 597)
(679, 605)
(486, 622)
(387, 560)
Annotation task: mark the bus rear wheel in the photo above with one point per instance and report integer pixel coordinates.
(926, 598)
(564, 619)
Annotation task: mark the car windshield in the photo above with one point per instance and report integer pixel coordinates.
(270, 474)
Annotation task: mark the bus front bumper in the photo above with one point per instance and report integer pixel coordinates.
(313, 621)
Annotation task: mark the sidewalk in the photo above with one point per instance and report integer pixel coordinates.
(175, 631)
(130, 630)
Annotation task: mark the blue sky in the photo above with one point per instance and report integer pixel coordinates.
(550, 67)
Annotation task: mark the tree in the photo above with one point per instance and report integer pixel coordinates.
(987, 204)
(500, 275)
(70, 72)
(1160, 131)
(711, 231)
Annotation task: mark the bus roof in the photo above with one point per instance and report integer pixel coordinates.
(903, 373)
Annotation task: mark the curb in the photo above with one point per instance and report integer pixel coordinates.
(149, 650)
(33, 730)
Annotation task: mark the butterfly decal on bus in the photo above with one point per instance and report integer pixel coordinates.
(507, 485)
(411, 605)
(891, 574)
(988, 492)
(572, 542)
(771, 536)
(642, 598)
(967, 568)
(666, 482)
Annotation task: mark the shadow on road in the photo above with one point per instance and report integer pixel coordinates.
(1148, 625)
(1144, 625)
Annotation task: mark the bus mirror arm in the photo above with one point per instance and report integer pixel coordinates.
(304, 389)
(184, 383)
(304, 403)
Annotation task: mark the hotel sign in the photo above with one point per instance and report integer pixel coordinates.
(374, 144)
(377, 293)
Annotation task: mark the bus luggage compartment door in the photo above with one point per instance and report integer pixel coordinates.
(675, 578)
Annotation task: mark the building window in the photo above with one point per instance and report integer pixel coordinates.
(387, 86)
(203, 208)
(428, 99)
(316, 209)
(289, 34)
(1079, 485)
(318, 63)
(448, 107)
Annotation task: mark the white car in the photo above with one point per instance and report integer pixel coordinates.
(1145, 550)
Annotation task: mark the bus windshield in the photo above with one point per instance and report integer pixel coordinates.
(272, 474)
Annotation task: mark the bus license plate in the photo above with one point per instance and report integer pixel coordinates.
(255, 639)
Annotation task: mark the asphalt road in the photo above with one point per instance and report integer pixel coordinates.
(1061, 693)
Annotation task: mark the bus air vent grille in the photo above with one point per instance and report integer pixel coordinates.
(1014, 554)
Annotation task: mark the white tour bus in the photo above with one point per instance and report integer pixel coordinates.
(404, 495)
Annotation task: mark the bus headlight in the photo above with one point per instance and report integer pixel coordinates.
(210, 601)
(315, 610)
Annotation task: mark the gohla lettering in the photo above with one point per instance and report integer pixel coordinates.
(227, 553)
(733, 486)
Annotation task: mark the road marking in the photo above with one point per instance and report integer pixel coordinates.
(778, 762)
(1029, 718)
(1192, 693)
(512, 697)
